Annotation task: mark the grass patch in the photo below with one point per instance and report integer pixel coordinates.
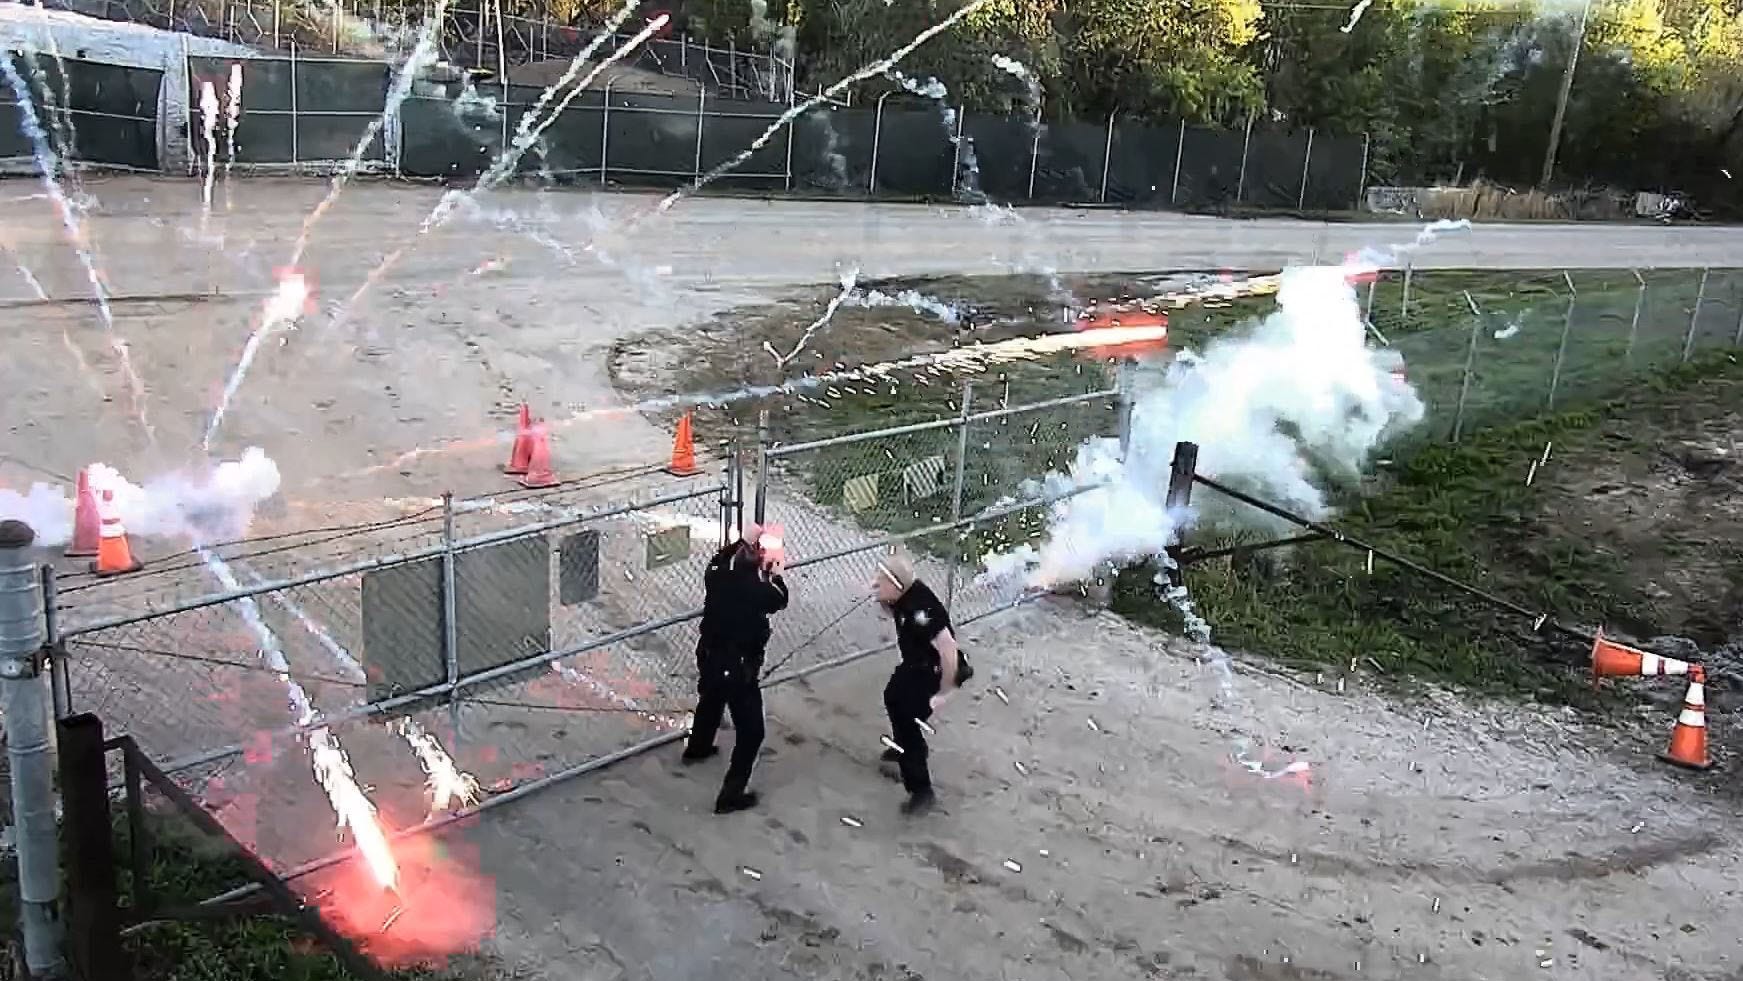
(1466, 510)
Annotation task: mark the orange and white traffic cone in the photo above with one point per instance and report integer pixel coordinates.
(1613, 660)
(683, 451)
(114, 557)
(521, 455)
(1688, 740)
(539, 473)
(87, 527)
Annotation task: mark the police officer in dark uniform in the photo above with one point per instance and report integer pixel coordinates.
(929, 671)
(742, 587)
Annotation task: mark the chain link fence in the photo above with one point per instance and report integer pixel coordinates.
(1485, 349)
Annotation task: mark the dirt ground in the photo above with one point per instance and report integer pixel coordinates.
(1441, 842)
(1459, 850)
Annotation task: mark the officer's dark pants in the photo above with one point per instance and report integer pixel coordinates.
(908, 700)
(729, 684)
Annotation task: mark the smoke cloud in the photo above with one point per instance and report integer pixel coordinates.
(215, 506)
(1294, 401)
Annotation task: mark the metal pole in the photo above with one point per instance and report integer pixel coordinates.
(732, 62)
(1470, 362)
(275, 15)
(502, 74)
(1634, 324)
(1362, 183)
(789, 180)
(1368, 307)
(27, 750)
(1688, 343)
(337, 14)
(762, 501)
(1404, 307)
(1180, 475)
(478, 49)
(956, 492)
(450, 620)
(1126, 406)
(1246, 143)
(605, 134)
(1306, 162)
(1035, 154)
(1567, 324)
(293, 100)
(956, 153)
(60, 682)
(1567, 87)
(871, 184)
(1179, 151)
(1107, 159)
(701, 109)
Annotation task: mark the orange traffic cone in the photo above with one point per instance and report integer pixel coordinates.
(520, 456)
(87, 527)
(1688, 741)
(683, 451)
(538, 472)
(114, 557)
(1613, 660)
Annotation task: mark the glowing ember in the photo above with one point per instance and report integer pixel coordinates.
(446, 783)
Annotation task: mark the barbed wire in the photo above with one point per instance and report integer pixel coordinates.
(217, 662)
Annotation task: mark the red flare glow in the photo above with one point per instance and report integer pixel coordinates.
(443, 906)
(1124, 318)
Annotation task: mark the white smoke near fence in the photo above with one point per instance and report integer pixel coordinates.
(1280, 408)
(215, 505)
(911, 299)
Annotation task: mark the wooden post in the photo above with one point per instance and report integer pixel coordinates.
(94, 915)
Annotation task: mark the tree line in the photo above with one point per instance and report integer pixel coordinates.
(1449, 92)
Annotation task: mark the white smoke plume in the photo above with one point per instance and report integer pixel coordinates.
(217, 505)
(1294, 398)
(912, 299)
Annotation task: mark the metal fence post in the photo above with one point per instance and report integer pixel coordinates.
(1470, 363)
(788, 184)
(1634, 324)
(1127, 402)
(701, 111)
(28, 751)
(956, 152)
(293, 100)
(1688, 343)
(275, 17)
(1246, 143)
(1362, 182)
(956, 491)
(1404, 305)
(93, 915)
(762, 501)
(1368, 305)
(1567, 325)
(1306, 164)
(60, 681)
(871, 184)
(1179, 153)
(1035, 154)
(1737, 341)
(605, 134)
(1107, 159)
(450, 618)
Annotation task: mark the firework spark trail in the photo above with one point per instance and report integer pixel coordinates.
(284, 306)
(331, 766)
(79, 358)
(232, 116)
(422, 54)
(1356, 15)
(48, 164)
(848, 279)
(446, 782)
(526, 134)
(786, 118)
(209, 110)
(973, 358)
(60, 123)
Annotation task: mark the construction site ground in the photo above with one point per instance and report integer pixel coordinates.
(1490, 843)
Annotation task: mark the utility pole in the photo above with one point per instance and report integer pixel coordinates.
(1567, 87)
(24, 700)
